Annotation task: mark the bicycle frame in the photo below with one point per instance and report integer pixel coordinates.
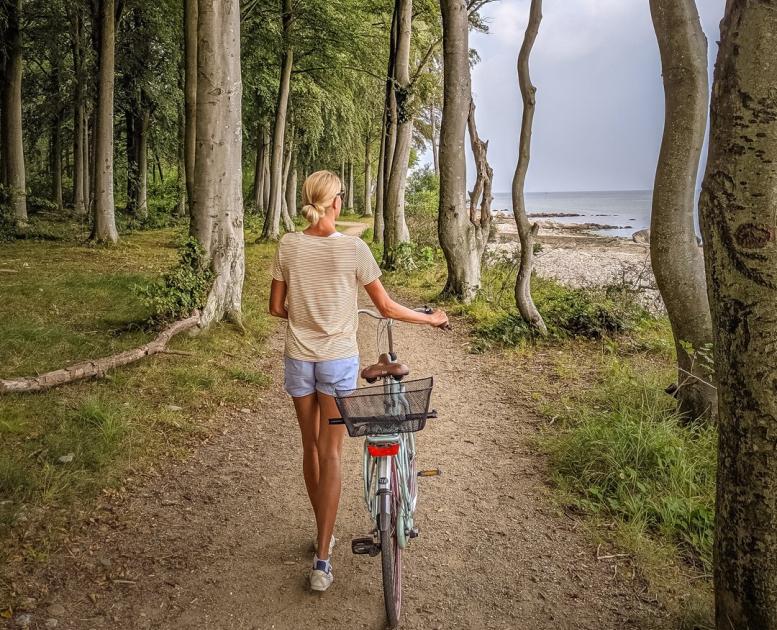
(377, 471)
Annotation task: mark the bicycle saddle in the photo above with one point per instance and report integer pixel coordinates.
(384, 367)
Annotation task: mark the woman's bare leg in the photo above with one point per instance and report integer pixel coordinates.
(308, 418)
(330, 446)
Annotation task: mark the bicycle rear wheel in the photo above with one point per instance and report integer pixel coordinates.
(391, 557)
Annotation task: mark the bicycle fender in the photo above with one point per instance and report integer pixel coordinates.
(384, 515)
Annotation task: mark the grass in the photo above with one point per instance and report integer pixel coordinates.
(65, 301)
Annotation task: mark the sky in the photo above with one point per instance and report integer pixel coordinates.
(600, 103)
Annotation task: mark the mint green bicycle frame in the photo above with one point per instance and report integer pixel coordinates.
(378, 471)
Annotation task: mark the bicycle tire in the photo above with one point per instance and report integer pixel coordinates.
(391, 560)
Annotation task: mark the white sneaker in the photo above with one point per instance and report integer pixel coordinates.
(321, 576)
(332, 542)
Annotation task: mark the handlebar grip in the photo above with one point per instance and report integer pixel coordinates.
(336, 421)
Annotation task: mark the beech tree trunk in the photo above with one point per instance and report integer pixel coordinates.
(104, 210)
(291, 188)
(739, 227)
(15, 177)
(396, 231)
(677, 260)
(190, 92)
(435, 141)
(367, 201)
(526, 230)
(141, 146)
(258, 191)
(271, 227)
(462, 237)
(217, 204)
(349, 205)
(80, 186)
(288, 224)
(380, 187)
(266, 171)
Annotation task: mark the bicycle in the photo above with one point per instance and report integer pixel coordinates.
(388, 416)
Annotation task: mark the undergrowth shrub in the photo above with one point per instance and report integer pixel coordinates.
(587, 312)
(7, 221)
(182, 289)
(626, 455)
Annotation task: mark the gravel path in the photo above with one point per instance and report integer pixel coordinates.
(222, 539)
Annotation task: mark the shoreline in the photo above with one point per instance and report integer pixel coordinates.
(579, 258)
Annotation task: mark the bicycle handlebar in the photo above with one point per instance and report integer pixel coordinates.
(366, 311)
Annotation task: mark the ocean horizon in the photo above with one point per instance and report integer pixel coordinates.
(627, 211)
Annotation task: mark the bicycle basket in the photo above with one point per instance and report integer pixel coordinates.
(395, 407)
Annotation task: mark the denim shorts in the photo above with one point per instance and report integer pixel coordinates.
(305, 377)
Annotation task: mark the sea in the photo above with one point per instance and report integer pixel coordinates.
(627, 211)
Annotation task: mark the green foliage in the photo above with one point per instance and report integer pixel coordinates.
(423, 180)
(182, 289)
(409, 257)
(626, 455)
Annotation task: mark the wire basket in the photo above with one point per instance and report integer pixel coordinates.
(394, 407)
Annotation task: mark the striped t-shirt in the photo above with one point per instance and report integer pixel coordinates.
(322, 276)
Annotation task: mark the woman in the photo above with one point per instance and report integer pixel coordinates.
(316, 276)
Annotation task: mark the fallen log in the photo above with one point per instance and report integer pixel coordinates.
(96, 368)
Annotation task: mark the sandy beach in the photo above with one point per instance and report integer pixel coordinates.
(576, 256)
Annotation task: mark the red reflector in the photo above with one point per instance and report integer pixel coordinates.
(383, 450)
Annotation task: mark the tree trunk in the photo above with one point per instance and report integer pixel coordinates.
(462, 238)
(15, 178)
(349, 205)
(435, 144)
(258, 191)
(288, 224)
(217, 204)
(271, 228)
(104, 210)
(380, 187)
(130, 120)
(396, 231)
(88, 162)
(180, 170)
(190, 92)
(291, 188)
(79, 189)
(367, 202)
(677, 260)
(141, 145)
(526, 231)
(266, 170)
(739, 227)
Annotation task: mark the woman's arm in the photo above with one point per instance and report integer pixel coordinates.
(390, 309)
(278, 299)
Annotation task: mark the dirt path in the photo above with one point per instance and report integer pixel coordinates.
(221, 540)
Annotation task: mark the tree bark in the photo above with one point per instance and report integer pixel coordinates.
(462, 238)
(349, 204)
(15, 176)
(367, 201)
(396, 231)
(677, 260)
(526, 230)
(190, 93)
(380, 187)
(291, 188)
(288, 224)
(271, 228)
(739, 227)
(266, 171)
(258, 190)
(217, 204)
(104, 210)
(435, 143)
(141, 146)
(79, 187)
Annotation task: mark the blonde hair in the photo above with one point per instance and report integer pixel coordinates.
(319, 188)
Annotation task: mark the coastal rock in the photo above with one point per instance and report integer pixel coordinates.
(642, 237)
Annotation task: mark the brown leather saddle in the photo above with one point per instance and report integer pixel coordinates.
(384, 367)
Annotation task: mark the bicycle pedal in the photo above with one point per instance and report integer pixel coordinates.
(432, 472)
(413, 533)
(365, 546)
